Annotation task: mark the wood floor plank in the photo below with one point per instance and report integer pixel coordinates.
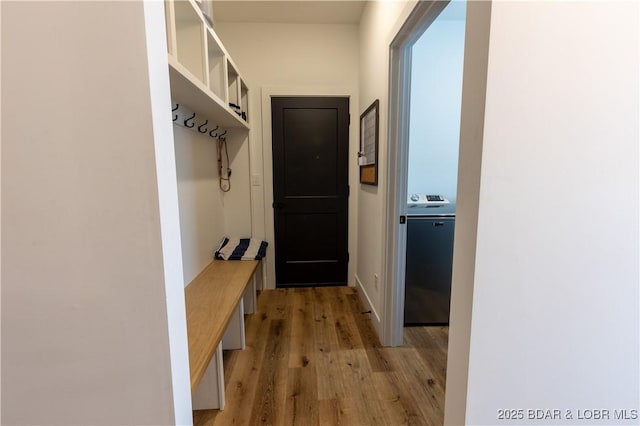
(243, 383)
(326, 338)
(302, 397)
(335, 412)
(272, 377)
(276, 303)
(330, 380)
(301, 346)
(400, 406)
(368, 334)
(423, 382)
(345, 326)
(357, 376)
(428, 344)
(314, 358)
(302, 402)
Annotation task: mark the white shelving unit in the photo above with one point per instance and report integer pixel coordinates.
(205, 81)
(203, 75)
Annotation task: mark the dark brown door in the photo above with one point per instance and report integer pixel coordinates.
(310, 190)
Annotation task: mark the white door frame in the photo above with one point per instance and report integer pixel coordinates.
(395, 234)
(267, 167)
(476, 56)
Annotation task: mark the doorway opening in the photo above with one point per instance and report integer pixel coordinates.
(434, 138)
(424, 128)
(476, 55)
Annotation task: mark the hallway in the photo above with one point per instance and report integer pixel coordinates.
(313, 357)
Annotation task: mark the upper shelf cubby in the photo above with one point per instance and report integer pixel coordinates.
(216, 66)
(232, 84)
(189, 39)
(202, 74)
(244, 100)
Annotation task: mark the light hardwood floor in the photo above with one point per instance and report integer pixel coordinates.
(313, 358)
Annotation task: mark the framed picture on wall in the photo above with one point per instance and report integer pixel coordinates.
(368, 154)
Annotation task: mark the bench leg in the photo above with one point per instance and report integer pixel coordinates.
(234, 335)
(249, 296)
(210, 392)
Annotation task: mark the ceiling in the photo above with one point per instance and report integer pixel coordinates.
(298, 11)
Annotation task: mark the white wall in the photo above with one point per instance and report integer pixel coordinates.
(237, 202)
(200, 199)
(436, 97)
(207, 214)
(292, 59)
(380, 23)
(555, 294)
(85, 333)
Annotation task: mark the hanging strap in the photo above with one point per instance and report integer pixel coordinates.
(224, 173)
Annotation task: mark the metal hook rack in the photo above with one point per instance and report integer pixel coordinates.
(186, 121)
(191, 119)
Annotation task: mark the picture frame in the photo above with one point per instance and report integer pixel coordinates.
(368, 153)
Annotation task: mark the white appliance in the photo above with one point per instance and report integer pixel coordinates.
(426, 200)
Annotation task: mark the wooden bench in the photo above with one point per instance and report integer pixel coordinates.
(215, 321)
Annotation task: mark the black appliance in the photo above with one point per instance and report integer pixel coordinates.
(429, 260)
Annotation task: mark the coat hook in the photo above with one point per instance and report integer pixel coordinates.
(202, 125)
(188, 119)
(222, 134)
(175, 117)
(212, 134)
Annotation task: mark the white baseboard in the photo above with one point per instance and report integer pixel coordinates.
(375, 318)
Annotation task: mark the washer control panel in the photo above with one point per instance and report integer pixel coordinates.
(425, 200)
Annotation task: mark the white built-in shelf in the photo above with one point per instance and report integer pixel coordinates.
(194, 94)
(202, 75)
